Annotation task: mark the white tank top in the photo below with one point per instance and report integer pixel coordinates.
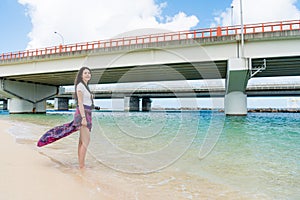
(86, 95)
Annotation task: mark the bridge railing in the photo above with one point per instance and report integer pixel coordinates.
(155, 38)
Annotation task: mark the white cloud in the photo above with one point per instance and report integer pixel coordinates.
(89, 20)
(256, 11)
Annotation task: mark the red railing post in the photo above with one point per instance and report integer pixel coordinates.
(219, 31)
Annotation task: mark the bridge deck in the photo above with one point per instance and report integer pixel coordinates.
(193, 70)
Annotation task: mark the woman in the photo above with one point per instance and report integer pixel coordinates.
(84, 101)
(82, 118)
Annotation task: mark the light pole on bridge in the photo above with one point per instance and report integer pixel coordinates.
(231, 13)
(242, 30)
(61, 37)
(62, 41)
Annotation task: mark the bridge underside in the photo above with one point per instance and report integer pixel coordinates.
(276, 66)
(165, 72)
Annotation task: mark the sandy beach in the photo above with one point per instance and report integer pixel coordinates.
(27, 175)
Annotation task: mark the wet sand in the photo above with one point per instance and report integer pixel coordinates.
(27, 175)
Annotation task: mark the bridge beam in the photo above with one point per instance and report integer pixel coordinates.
(26, 97)
(236, 82)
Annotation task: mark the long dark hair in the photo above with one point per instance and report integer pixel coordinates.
(78, 80)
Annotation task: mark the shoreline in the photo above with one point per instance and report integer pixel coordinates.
(250, 110)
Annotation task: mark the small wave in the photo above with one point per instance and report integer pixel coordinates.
(163, 182)
(23, 140)
(26, 132)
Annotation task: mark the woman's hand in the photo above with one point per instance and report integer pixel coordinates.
(84, 122)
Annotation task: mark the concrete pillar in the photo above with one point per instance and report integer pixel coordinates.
(20, 106)
(146, 104)
(5, 106)
(235, 102)
(61, 103)
(131, 104)
(26, 97)
(126, 103)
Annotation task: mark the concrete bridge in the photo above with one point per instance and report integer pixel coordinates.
(28, 78)
(283, 89)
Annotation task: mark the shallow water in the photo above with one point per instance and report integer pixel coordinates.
(178, 155)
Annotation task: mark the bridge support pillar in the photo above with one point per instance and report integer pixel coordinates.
(235, 102)
(4, 104)
(132, 104)
(146, 104)
(26, 97)
(61, 103)
(20, 106)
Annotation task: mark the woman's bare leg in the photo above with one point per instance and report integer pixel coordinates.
(84, 141)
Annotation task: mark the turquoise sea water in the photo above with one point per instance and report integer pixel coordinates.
(256, 156)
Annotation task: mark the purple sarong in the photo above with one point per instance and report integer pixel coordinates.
(64, 130)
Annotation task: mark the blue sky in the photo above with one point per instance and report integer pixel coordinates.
(17, 24)
(31, 23)
(204, 10)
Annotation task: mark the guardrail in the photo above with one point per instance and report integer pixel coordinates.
(154, 38)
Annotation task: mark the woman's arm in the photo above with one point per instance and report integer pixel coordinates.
(81, 108)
